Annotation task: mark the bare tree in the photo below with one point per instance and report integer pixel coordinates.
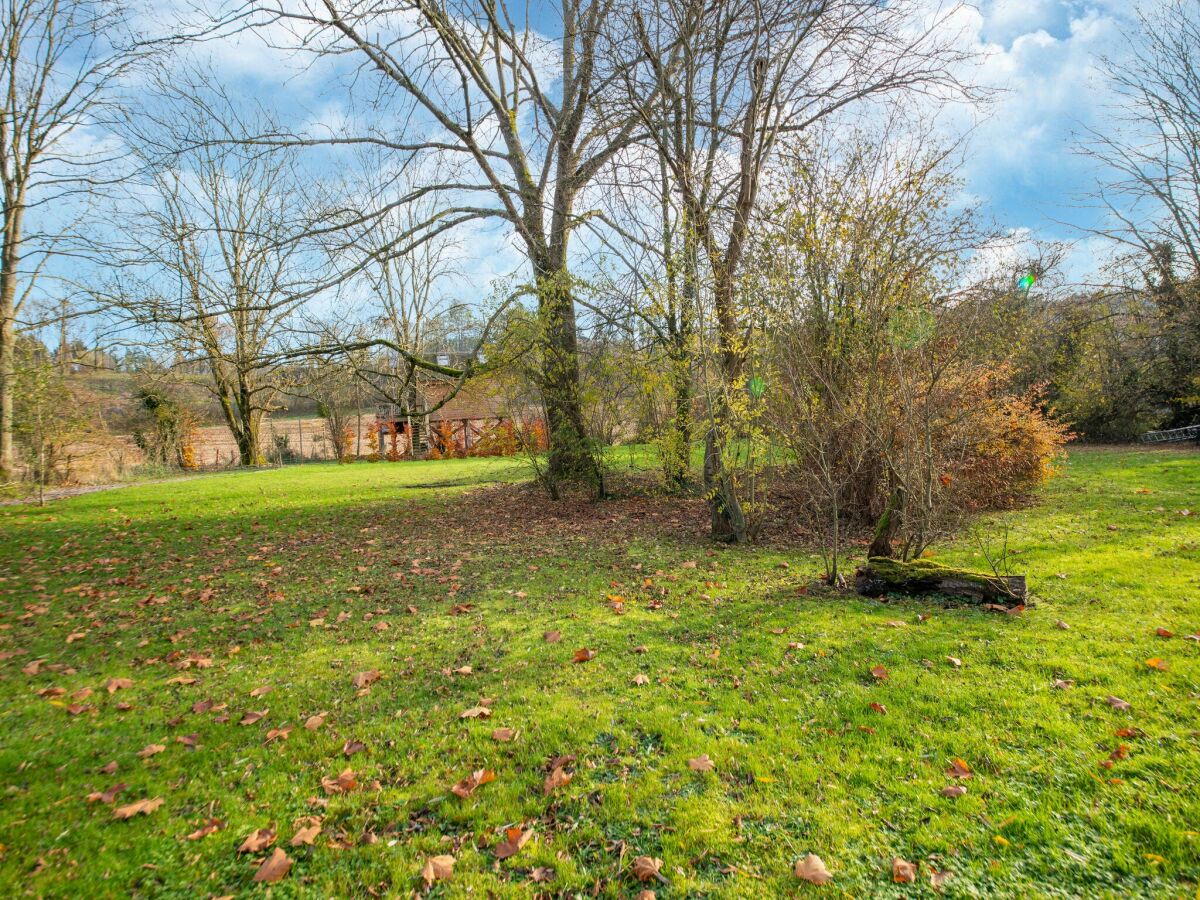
(513, 117)
(216, 267)
(717, 87)
(59, 64)
(1152, 197)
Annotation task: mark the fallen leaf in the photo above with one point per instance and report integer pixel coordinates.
(879, 673)
(583, 654)
(151, 749)
(209, 827)
(350, 747)
(251, 717)
(1062, 684)
(504, 735)
(137, 807)
(475, 712)
(954, 661)
(1157, 663)
(106, 797)
(1062, 626)
(116, 684)
(261, 691)
(1117, 702)
(879, 708)
(366, 679)
(437, 868)
(258, 840)
(954, 790)
(515, 839)
(646, 868)
(552, 637)
(641, 678)
(903, 871)
(274, 868)
(476, 779)
(278, 734)
(343, 783)
(701, 763)
(312, 723)
(959, 769)
(938, 879)
(557, 778)
(306, 834)
(812, 868)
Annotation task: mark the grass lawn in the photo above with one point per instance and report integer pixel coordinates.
(189, 598)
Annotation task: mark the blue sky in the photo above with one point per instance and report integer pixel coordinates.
(1040, 56)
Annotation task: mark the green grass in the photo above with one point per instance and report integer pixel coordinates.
(233, 568)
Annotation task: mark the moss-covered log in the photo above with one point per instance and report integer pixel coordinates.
(921, 576)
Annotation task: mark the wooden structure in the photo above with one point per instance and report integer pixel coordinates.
(414, 431)
(1172, 435)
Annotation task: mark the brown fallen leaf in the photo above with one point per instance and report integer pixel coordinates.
(437, 868)
(1164, 633)
(1062, 626)
(475, 712)
(312, 723)
(954, 790)
(558, 777)
(261, 691)
(366, 679)
(879, 708)
(108, 768)
(879, 673)
(106, 797)
(646, 868)
(258, 840)
(342, 784)
(701, 763)
(209, 827)
(151, 749)
(812, 868)
(1117, 703)
(552, 637)
(253, 716)
(189, 740)
(1157, 663)
(959, 769)
(954, 661)
(1062, 684)
(641, 678)
(514, 840)
(274, 868)
(939, 879)
(467, 786)
(137, 807)
(504, 735)
(903, 871)
(278, 734)
(583, 654)
(307, 833)
(116, 684)
(350, 747)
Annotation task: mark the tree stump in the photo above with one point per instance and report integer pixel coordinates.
(921, 576)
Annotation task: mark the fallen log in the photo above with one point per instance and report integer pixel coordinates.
(922, 576)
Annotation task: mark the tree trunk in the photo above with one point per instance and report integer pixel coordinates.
(7, 378)
(887, 526)
(570, 456)
(8, 342)
(920, 576)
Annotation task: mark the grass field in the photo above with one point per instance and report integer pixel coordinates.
(139, 627)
